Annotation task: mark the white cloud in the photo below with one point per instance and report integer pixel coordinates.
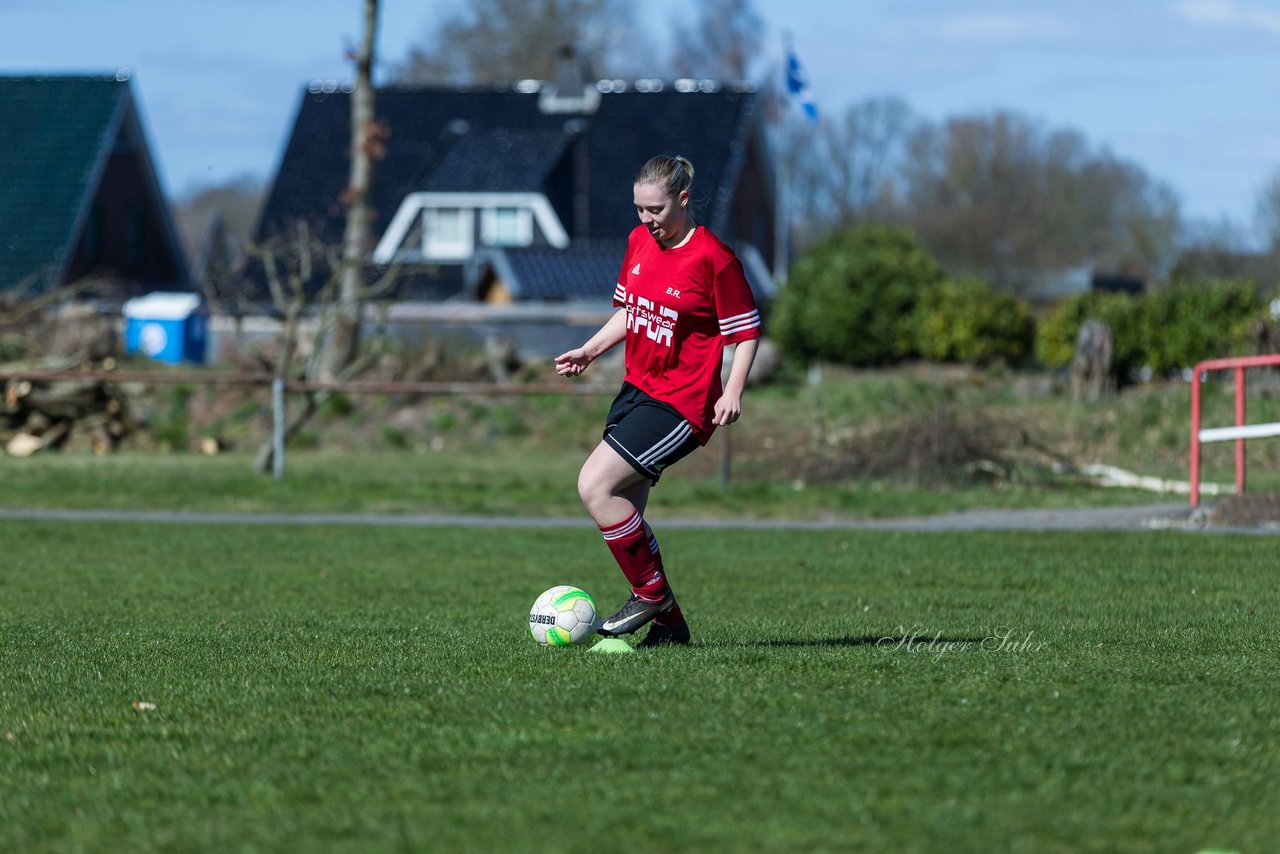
(1230, 13)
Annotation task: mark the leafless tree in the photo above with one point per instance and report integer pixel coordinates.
(340, 339)
(25, 309)
(1225, 250)
(504, 40)
(723, 43)
(217, 223)
(236, 202)
(847, 168)
(292, 266)
(998, 196)
(1268, 213)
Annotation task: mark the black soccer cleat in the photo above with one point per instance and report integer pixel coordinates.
(635, 614)
(660, 635)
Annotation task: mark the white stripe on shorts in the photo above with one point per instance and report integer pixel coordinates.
(667, 444)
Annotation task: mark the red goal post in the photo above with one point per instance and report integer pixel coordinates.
(1238, 433)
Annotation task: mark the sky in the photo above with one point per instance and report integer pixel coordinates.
(1187, 89)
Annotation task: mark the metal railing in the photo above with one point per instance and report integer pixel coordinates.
(1238, 433)
(266, 379)
(280, 387)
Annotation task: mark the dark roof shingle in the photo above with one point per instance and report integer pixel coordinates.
(54, 133)
(580, 273)
(498, 160)
(483, 140)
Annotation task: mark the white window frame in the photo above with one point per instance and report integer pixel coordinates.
(392, 246)
(455, 247)
(491, 226)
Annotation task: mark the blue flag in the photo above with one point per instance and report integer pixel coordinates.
(798, 85)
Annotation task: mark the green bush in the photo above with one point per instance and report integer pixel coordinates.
(1057, 332)
(967, 320)
(1195, 320)
(395, 437)
(170, 423)
(337, 406)
(1166, 330)
(851, 298)
(305, 440)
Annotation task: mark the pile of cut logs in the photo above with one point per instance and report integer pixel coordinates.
(38, 415)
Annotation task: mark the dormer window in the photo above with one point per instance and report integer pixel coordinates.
(442, 227)
(447, 234)
(506, 227)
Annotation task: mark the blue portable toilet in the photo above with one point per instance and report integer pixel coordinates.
(168, 327)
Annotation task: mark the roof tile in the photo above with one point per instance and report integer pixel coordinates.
(498, 140)
(52, 135)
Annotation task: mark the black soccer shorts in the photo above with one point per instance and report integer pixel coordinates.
(648, 433)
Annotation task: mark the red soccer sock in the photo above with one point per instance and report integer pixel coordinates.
(674, 616)
(636, 550)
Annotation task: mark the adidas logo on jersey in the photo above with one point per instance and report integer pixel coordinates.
(635, 271)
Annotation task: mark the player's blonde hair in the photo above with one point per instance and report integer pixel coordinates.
(673, 174)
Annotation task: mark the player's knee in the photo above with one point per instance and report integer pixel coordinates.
(589, 489)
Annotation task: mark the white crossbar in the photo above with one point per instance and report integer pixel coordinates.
(1249, 431)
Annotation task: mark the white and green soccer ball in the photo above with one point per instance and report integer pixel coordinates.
(562, 616)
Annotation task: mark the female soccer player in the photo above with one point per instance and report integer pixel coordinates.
(682, 297)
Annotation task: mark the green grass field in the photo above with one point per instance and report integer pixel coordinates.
(911, 440)
(476, 481)
(799, 452)
(352, 688)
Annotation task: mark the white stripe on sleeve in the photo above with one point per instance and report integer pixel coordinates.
(740, 323)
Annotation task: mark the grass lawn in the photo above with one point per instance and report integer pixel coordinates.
(506, 481)
(375, 689)
(799, 452)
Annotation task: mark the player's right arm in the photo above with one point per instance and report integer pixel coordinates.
(575, 361)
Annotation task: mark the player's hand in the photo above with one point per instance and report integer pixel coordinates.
(728, 409)
(572, 363)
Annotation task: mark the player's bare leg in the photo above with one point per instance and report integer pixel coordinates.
(615, 495)
(607, 485)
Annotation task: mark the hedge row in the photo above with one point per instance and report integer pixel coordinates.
(873, 295)
(1165, 330)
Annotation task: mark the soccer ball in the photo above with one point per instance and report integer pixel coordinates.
(563, 615)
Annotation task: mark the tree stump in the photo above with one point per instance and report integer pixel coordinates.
(1091, 376)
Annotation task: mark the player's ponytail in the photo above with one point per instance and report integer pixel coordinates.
(672, 174)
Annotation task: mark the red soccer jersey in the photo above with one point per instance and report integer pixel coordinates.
(683, 306)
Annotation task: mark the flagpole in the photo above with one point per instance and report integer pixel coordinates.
(797, 86)
(781, 208)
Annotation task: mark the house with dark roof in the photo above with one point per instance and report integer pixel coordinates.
(521, 192)
(79, 195)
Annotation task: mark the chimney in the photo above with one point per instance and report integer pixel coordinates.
(573, 89)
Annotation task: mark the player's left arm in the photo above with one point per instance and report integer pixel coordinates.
(740, 325)
(729, 407)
